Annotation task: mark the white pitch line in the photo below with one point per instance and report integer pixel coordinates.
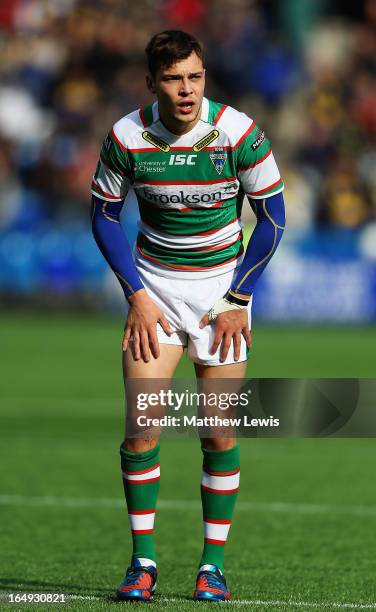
(322, 605)
(179, 504)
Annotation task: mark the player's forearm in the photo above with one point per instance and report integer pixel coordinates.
(261, 247)
(114, 245)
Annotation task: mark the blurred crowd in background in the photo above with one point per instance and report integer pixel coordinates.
(304, 69)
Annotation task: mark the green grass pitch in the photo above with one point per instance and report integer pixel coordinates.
(304, 535)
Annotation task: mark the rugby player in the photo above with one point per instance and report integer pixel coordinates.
(191, 162)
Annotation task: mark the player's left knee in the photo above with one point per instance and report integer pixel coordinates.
(219, 444)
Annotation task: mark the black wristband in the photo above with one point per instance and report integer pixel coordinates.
(236, 300)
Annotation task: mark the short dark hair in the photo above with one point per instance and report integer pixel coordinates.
(168, 47)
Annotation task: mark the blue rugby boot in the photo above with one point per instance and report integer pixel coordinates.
(211, 585)
(139, 583)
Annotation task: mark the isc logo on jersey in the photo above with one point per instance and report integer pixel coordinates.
(182, 160)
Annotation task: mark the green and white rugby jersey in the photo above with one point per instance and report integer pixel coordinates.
(189, 188)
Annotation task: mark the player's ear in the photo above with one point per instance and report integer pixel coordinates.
(150, 84)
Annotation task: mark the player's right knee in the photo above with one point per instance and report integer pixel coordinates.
(140, 445)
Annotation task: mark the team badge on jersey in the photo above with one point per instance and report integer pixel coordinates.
(218, 160)
(206, 140)
(156, 141)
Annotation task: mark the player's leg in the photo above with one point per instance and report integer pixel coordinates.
(219, 487)
(141, 471)
(139, 375)
(221, 465)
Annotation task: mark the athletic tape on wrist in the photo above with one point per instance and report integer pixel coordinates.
(223, 305)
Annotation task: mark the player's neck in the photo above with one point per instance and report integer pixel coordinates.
(178, 127)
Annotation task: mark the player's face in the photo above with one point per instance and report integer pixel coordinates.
(179, 90)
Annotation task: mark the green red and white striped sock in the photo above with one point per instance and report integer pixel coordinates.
(141, 475)
(219, 488)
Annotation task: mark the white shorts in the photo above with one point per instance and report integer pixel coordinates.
(184, 303)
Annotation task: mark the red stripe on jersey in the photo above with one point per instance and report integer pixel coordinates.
(142, 117)
(156, 150)
(220, 113)
(222, 147)
(219, 491)
(244, 135)
(214, 182)
(138, 512)
(257, 162)
(149, 469)
(214, 473)
(217, 521)
(181, 148)
(218, 542)
(216, 205)
(166, 265)
(145, 150)
(117, 140)
(266, 188)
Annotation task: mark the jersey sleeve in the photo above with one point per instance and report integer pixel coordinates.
(112, 177)
(256, 167)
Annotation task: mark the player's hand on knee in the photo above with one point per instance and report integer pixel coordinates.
(229, 327)
(141, 323)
